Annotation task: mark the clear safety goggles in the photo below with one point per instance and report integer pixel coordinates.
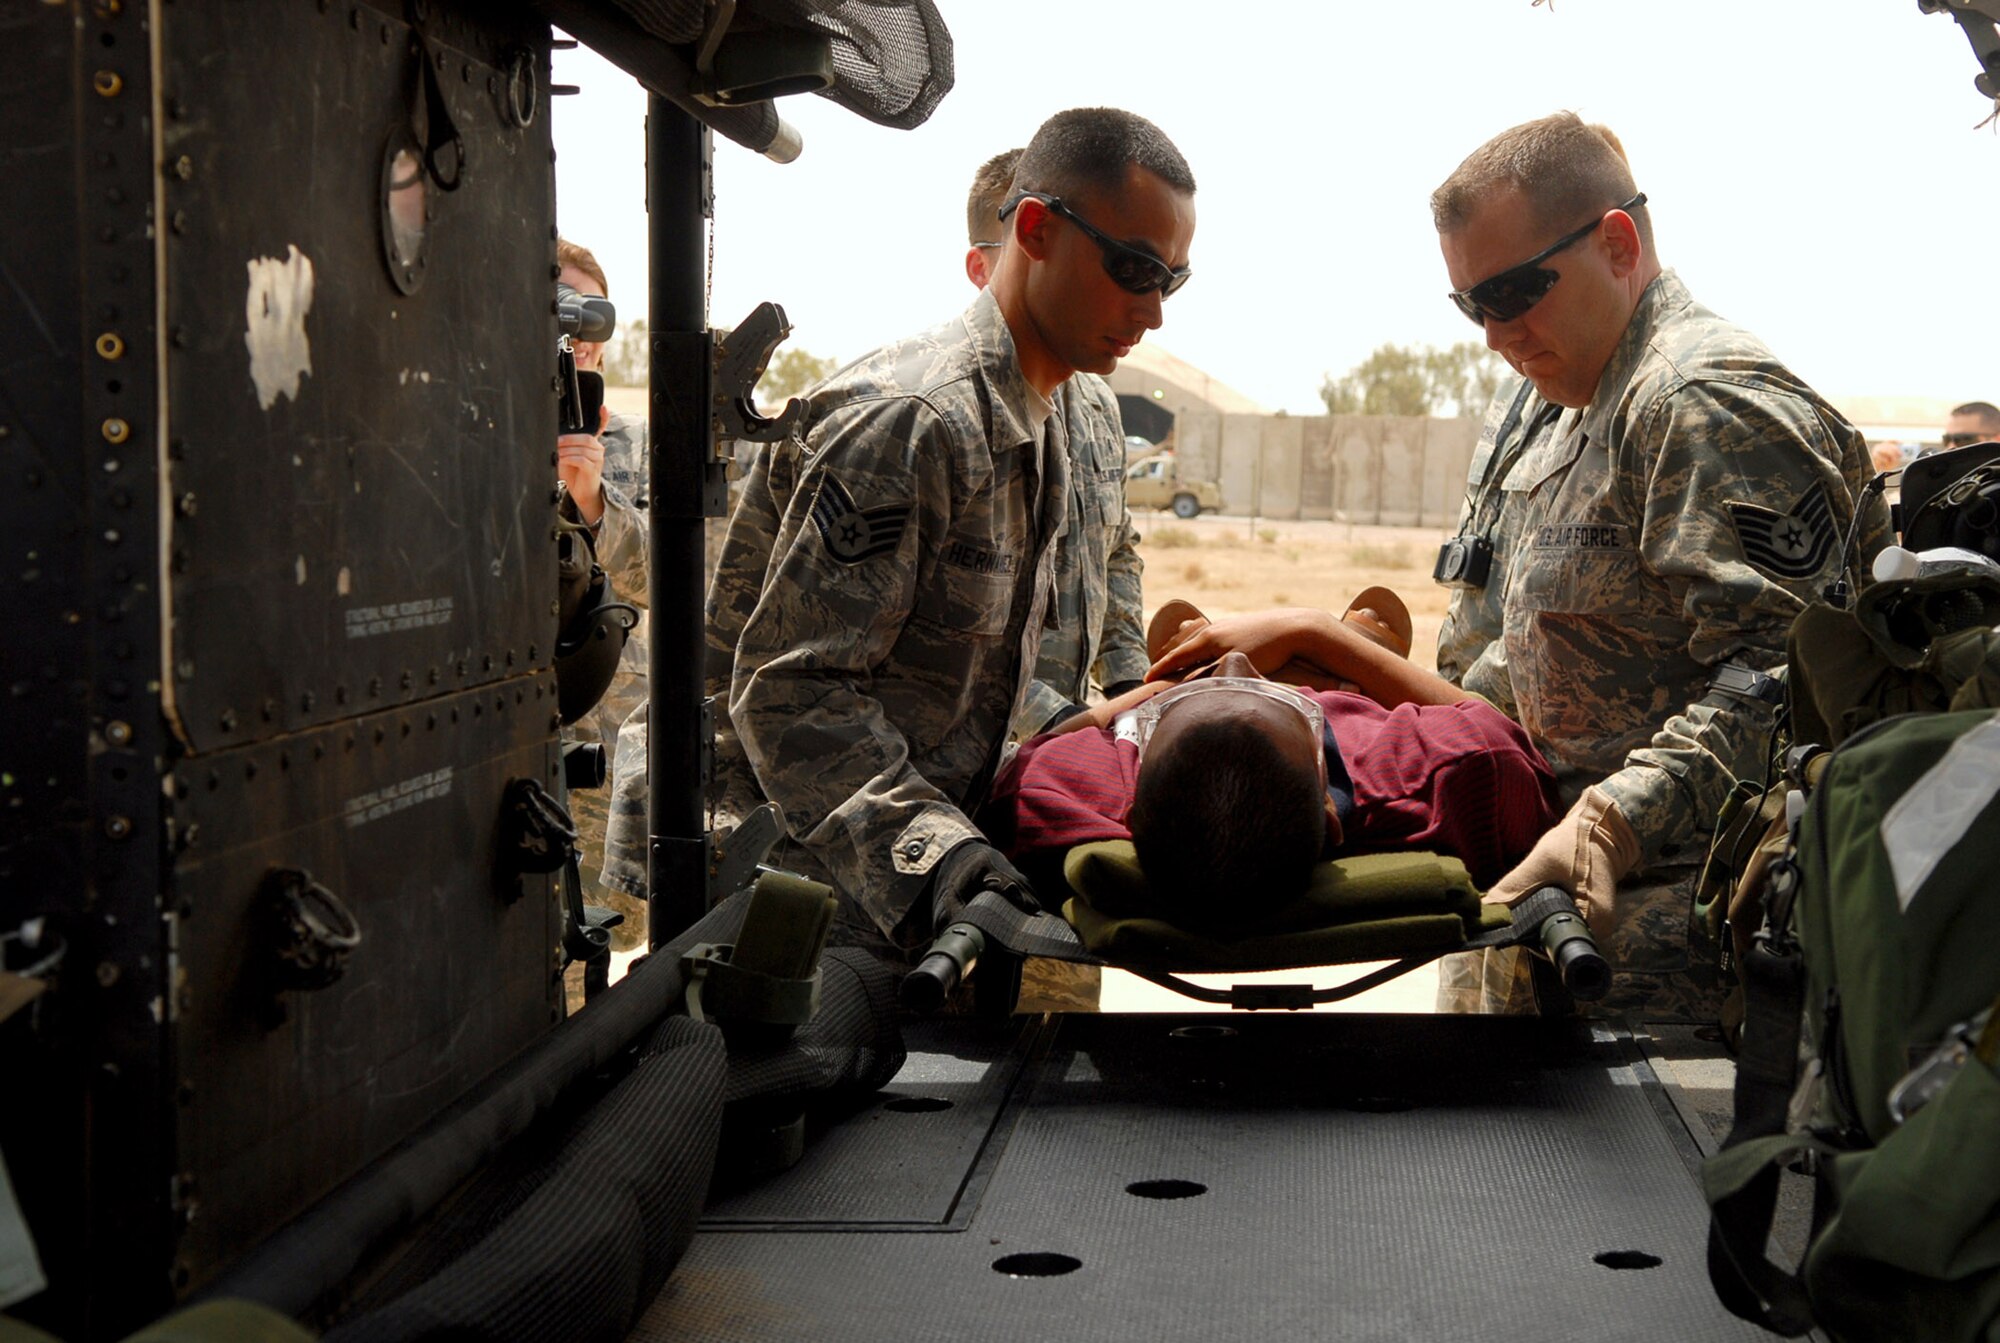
(1146, 718)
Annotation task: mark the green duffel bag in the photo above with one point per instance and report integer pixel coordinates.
(1881, 943)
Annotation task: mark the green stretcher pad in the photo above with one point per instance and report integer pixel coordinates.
(1371, 907)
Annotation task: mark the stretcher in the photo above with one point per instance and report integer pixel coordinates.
(1404, 908)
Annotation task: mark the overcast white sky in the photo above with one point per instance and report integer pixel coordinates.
(1812, 164)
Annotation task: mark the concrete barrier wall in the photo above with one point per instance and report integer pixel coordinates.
(1382, 470)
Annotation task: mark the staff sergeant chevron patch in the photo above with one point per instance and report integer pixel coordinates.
(1792, 544)
(852, 534)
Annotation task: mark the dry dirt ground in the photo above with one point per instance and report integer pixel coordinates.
(1229, 565)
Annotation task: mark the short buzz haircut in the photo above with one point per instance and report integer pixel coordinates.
(1984, 411)
(569, 255)
(1087, 151)
(990, 186)
(1227, 826)
(1566, 168)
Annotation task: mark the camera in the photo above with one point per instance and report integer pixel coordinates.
(580, 317)
(1464, 562)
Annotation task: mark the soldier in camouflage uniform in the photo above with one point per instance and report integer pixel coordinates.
(879, 605)
(1098, 625)
(605, 479)
(1661, 504)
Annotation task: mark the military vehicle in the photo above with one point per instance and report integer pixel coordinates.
(284, 904)
(1157, 482)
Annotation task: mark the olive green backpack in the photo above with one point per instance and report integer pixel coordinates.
(1871, 1049)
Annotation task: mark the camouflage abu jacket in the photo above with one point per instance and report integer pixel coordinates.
(879, 603)
(1679, 522)
(621, 550)
(1095, 622)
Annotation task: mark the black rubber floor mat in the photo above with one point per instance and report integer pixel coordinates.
(915, 1159)
(1264, 1177)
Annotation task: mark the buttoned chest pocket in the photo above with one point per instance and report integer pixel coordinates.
(1106, 486)
(967, 598)
(1580, 579)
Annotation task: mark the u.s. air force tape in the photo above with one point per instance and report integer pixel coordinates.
(1791, 544)
(853, 534)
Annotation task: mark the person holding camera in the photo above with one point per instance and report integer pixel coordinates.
(604, 485)
(1653, 500)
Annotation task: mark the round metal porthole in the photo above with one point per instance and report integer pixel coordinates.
(521, 91)
(406, 212)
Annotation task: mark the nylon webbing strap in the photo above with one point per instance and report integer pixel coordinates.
(1742, 1205)
(1046, 935)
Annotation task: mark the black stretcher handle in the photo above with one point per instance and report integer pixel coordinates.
(951, 958)
(1551, 927)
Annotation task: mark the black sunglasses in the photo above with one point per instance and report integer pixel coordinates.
(1961, 440)
(1513, 291)
(1132, 269)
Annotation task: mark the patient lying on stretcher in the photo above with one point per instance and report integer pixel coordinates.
(1232, 783)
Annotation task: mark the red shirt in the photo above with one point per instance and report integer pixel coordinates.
(1460, 779)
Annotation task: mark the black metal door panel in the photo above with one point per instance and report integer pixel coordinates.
(397, 814)
(361, 476)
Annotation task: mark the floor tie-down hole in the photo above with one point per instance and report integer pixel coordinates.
(917, 1105)
(1627, 1259)
(1166, 1189)
(1036, 1265)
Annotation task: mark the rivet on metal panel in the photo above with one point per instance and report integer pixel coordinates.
(118, 827)
(107, 83)
(118, 732)
(340, 694)
(184, 167)
(227, 720)
(284, 760)
(179, 221)
(268, 710)
(107, 973)
(114, 196)
(409, 679)
(374, 687)
(179, 337)
(115, 430)
(379, 736)
(306, 701)
(249, 770)
(185, 505)
(110, 346)
(534, 652)
(354, 18)
(184, 669)
(177, 108)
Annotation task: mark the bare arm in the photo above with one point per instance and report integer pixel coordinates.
(1272, 639)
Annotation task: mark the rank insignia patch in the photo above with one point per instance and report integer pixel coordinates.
(1792, 544)
(855, 534)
